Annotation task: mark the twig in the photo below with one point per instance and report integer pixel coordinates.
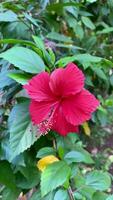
(70, 192)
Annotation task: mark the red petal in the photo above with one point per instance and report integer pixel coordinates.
(69, 80)
(38, 87)
(78, 108)
(61, 125)
(39, 111)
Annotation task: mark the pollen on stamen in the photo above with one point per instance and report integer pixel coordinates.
(46, 125)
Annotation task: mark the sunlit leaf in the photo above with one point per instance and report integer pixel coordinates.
(54, 176)
(86, 128)
(25, 59)
(44, 162)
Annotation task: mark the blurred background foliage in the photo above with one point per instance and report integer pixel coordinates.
(59, 31)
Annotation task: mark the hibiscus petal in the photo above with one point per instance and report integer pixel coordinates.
(39, 111)
(38, 87)
(78, 108)
(69, 80)
(61, 125)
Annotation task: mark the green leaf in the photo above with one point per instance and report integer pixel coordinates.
(6, 175)
(98, 180)
(79, 31)
(52, 55)
(7, 153)
(103, 117)
(87, 192)
(100, 73)
(91, 1)
(17, 41)
(28, 178)
(45, 151)
(68, 46)
(56, 170)
(78, 196)
(8, 16)
(59, 37)
(88, 23)
(106, 30)
(31, 19)
(100, 196)
(37, 196)
(57, 7)
(77, 156)
(25, 59)
(9, 194)
(61, 194)
(64, 61)
(82, 187)
(39, 42)
(77, 28)
(110, 197)
(19, 77)
(85, 59)
(16, 29)
(41, 46)
(72, 138)
(88, 57)
(22, 134)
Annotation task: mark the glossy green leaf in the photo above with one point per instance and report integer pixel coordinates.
(61, 194)
(84, 59)
(100, 196)
(77, 156)
(6, 175)
(59, 37)
(83, 189)
(98, 180)
(37, 195)
(59, 6)
(99, 72)
(56, 170)
(106, 30)
(9, 194)
(22, 134)
(79, 31)
(8, 16)
(87, 22)
(28, 178)
(45, 151)
(19, 77)
(25, 59)
(31, 19)
(39, 42)
(110, 197)
(17, 41)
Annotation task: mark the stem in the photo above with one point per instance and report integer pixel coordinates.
(54, 144)
(70, 192)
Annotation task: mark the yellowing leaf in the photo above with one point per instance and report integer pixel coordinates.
(42, 163)
(86, 128)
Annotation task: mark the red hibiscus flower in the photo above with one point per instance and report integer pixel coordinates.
(59, 100)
